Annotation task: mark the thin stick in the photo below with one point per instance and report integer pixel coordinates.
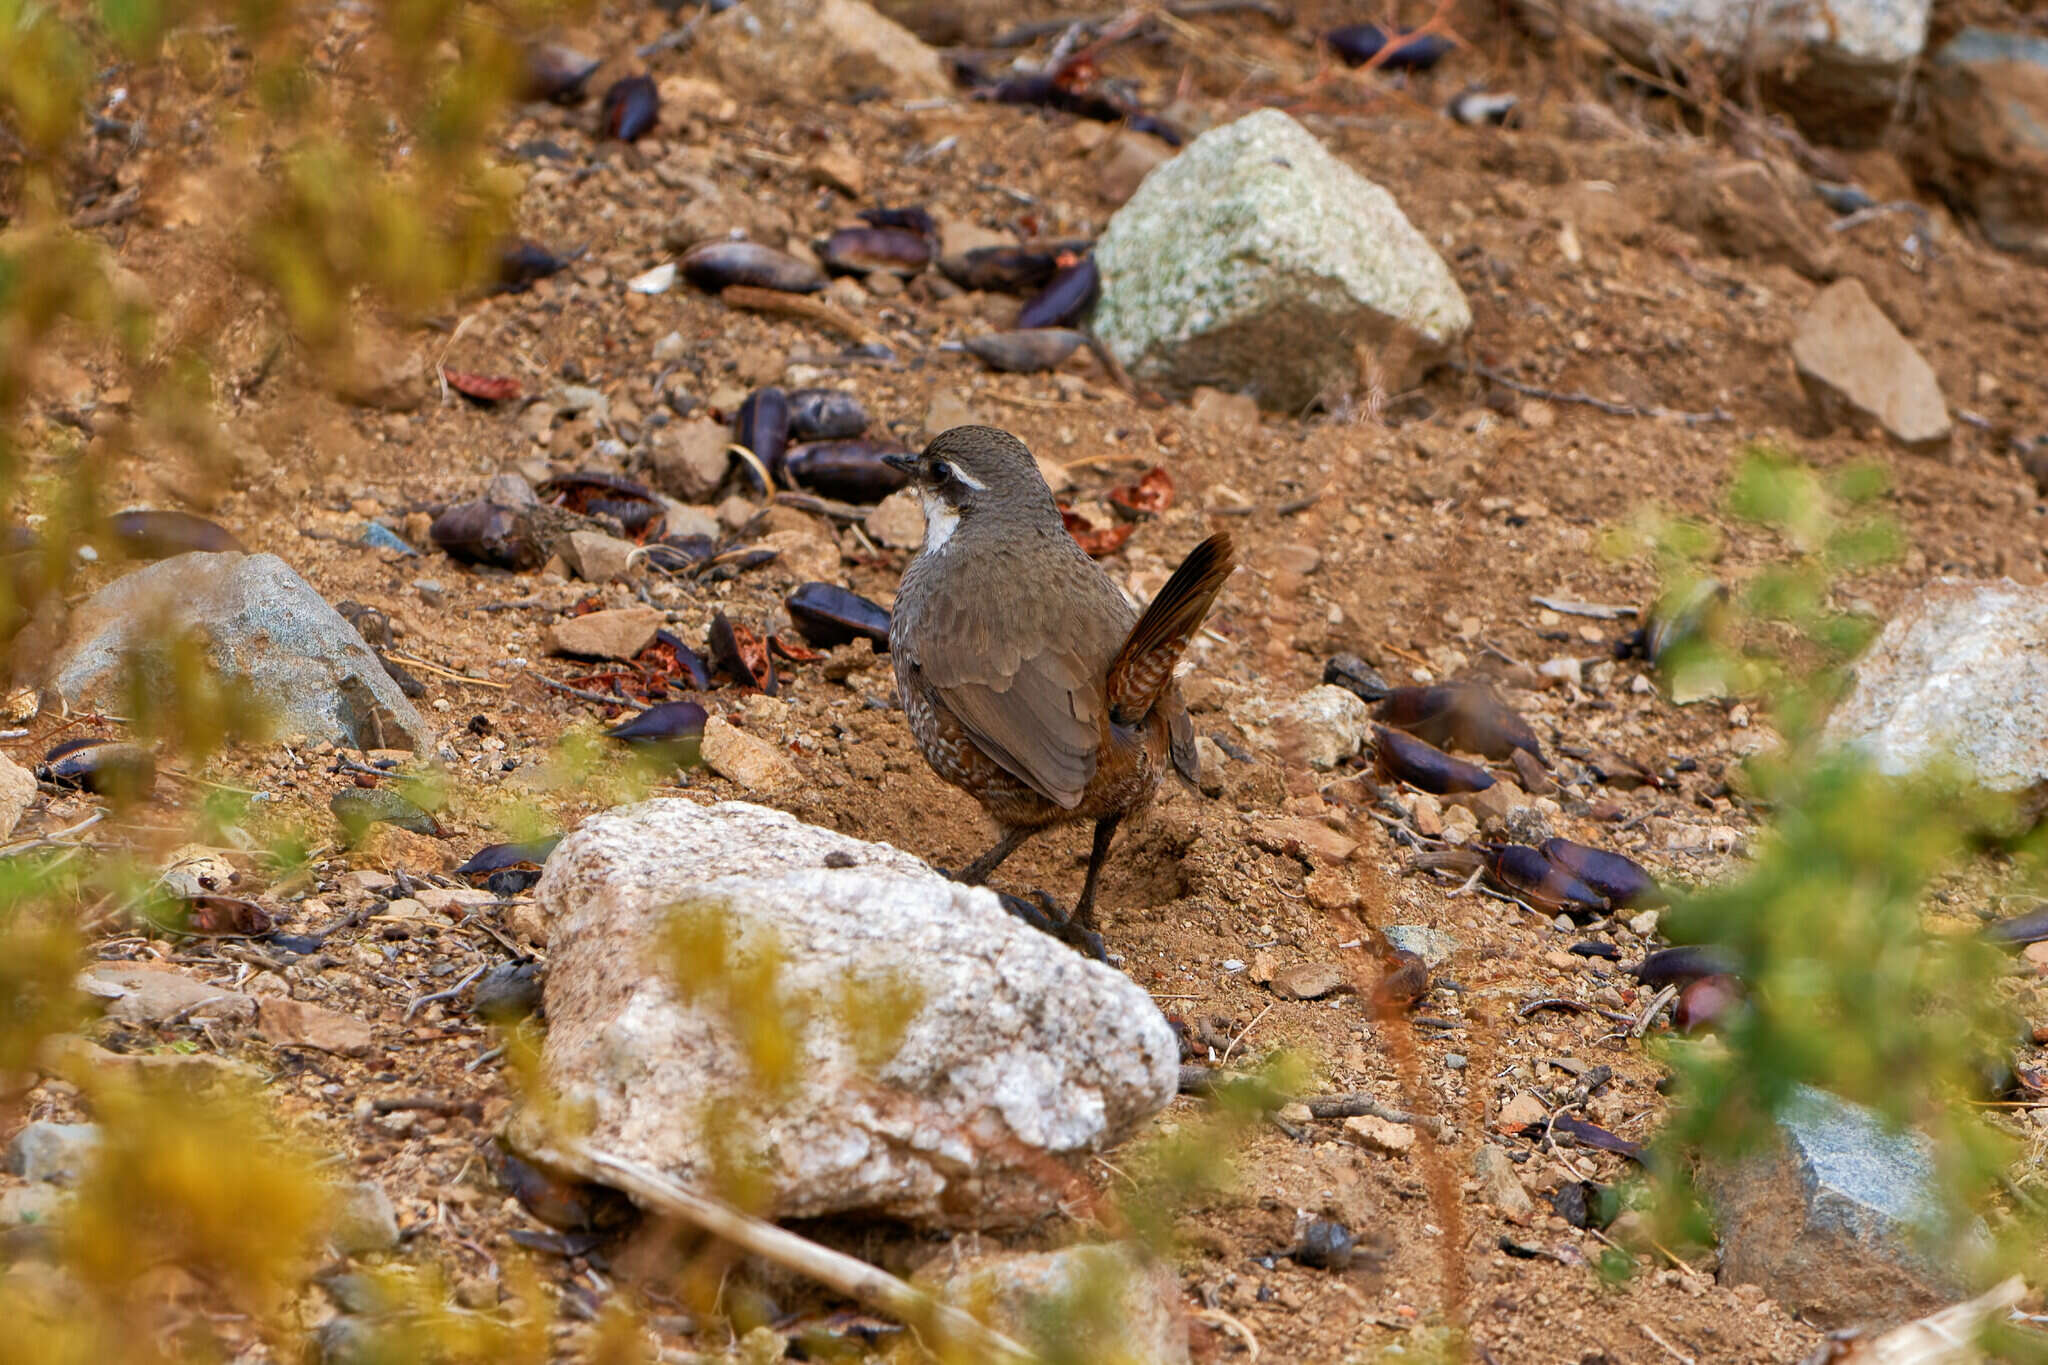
(438, 671)
(600, 698)
(51, 840)
(1224, 1320)
(1232, 1045)
(801, 306)
(1691, 419)
(1653, 1334)
(835, 1270)
(449, 994)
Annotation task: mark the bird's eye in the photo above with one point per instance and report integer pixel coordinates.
(941, 472)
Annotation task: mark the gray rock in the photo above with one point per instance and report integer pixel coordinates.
(1989, 144)
(1257, 261)
(265, 632)
(17, 794)
(1010, 1052)
(1090, 1302)
(1828, 1221)
(1433, 946)
(362, 1219)
(1958, 679)
(1500, 1184)
(1323, 726)
(806, 50)
(32, 1206)
(1856, 368)
(1842, 57)
(144, 993)
(53, 1152)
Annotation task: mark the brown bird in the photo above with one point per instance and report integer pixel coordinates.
(1029, 682)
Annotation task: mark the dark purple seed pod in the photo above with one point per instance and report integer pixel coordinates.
(633, 505)
(2030, 927)
(914, 218)
(1524, 871)
(855, 471)
(1358, 44)
(1677, 966)
(160, 535)
(825, 415)
(688, 660)
(555, 72)
(1067, 298)
(1029, 352)
(497, 857)
(521, 263)
(357, 808)
(1705, 1002)
(1621, 879)
(862, 250)
(1420, 764)
(762, 426)
(713, 266)
(741, 655)
(827, 615)
(631, 107)
(1157, 127)
(1003, 269)
(1461, 715)
(676, 554)
(674, 730)
(482, 532)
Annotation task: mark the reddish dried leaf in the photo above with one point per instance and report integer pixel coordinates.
(484, 388)
(1098, 541)
(587, 605)
(794, 651)
(228, 915)
(1151, 494)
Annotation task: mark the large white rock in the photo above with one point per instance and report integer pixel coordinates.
(1014, 1051)
(1255, 261)
(1958, 677)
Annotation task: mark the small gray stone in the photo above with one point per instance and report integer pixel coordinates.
(264, 630)
(1433, 946)
(17, 793)
(363, 1219)
(689, 459)
(1012, 1057)
(1989, 100)
(1957, 680)
(597, 557)
(53, 1152)
(1826, 1222)
(1857, 369)
(1323, 726)
(1257, 261)
(1500, 1184)
(806, 50)
(1088, 1302)
(510, 490)
(897, 521)
(144, 993)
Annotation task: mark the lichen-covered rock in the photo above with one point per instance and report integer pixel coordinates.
(264, 631)
(1322, 727)
(942, 1060)
(1255, 261)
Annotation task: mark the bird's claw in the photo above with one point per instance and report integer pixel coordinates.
(1044, 914)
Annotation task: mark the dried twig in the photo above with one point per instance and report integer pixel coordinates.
(1653, 1334)
(1691, 419)
(581, 695)
(1232, 1046)
(854, 1278)
(457, 989)
(1232, 1325)
(801, 306)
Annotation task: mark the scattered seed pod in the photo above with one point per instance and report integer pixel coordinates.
(741, 655)
(1403, 982)
(595, 493)
(1584, 1204)
(631, 106)
(555, 72)
(1150, 494)
(482, 532)
(827, 615)
(677, 554)
(561, 1201)
(825, 415)
(500, 857)
(1687, 613)
(1356, 676)
(1157, 127)
(1460, 715)
(854, 471)
(1605, 951)
(1067, 298)
(1005, 269)
(521, 263)
(762, 426)
(1622, 880)
(111, 768)
(226, 916)
(676, 660)
(1705, 1002)
(674, 731)
(358, 808)
(1045, 90)
(482, 389)
(507, 993)
(733, 563)
(1618, 770)
(1326, 1244)
(1525, 872)
(713, 266)
(1421, 764)
(858, 251)
(1678, 966)
(1027, 352)
(1358, 44)
(160, 535)
(913, 219)
(2030, 927)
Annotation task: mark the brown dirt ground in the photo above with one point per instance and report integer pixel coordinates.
(1431, 528)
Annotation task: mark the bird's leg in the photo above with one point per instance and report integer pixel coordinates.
(1084, 908)
(977, 872)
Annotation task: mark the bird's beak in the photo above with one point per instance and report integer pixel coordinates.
(905, 465)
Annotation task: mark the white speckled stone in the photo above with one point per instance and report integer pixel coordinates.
(1323, 726)
(1958, 677)
(1019, 1054)
(1255, 261)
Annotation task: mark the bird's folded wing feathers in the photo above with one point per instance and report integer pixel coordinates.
(1042, 726)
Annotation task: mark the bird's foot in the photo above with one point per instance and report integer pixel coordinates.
(1044, 914)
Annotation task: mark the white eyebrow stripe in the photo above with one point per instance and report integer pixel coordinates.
(976, 484)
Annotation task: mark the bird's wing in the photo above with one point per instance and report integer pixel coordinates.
(1026, 677)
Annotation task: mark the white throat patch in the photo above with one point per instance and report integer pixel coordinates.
(940, 521)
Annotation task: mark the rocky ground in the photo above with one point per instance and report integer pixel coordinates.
(1608, 251)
